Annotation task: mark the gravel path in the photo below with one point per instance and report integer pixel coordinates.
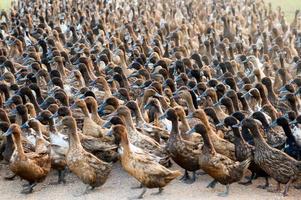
(119, 187)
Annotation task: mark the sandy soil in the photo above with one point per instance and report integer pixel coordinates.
(119, 186)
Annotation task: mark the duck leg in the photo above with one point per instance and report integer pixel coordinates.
(226, 193)
(201, 173)
(287, 187)
(29, 188)
(10, 177)
(185, 177)
(87, 190)
(190, 180)
(249, 182)
(275, 190)
(61, 176)
(141, 195)
(267, 184)
(159, 192)
(212, 184)
(137, 187)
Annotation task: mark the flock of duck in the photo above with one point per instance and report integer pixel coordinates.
(206, 85)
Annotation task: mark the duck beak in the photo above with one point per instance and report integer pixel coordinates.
(247, 94)
(13, 112)
(293, 122)
(283, 98)
(73, 106)
(8, 102)
(158, 95)
(221, 124)
(8, 132)
(107, 124)
(24, 126)
(189, 116)
(58, 124)
(217, 104)
(237, 125)
(164, 116)
(110, 133)
(273, 124)
(147, 106)
(190, 131)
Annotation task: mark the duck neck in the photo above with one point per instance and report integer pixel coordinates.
(235, 103)
(245, 105)
(258, 139)
(61, 69)
(94, 112)
(85, 111)
(125, 143)
(288, 132)
(164, 104)
(208, 146)
(238, 137)
(129, 122)
(174, 128)
(34, 102)
(184, 122)
(18, 145)
(190, 105)
(51, 126)
(74, 141)
(139, 117)
(271, 93)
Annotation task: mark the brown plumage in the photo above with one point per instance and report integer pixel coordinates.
(283, 168)
(33, 166)
(220, 167)
(142, 165)
(91, 170)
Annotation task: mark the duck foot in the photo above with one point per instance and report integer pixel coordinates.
(212, 184)
(285, 193)
(190, 180)
(28, 189)
(61, 178)
(249, 182)
(140, 196)
(137, 187)
(159, 192)
(226, 193)
(266, 184)
(10, 177)
(200, 173)
(275, 190)
(186, 176)
(87, 190)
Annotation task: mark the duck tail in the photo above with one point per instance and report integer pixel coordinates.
(245, 164)
(173, 175)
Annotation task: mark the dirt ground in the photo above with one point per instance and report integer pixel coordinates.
(119, 186)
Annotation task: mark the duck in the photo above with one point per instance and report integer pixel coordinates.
(91, 171)
(32, 167)
(90, 127)
(296, 130)
(277, 164)
(222, 146)
(185, 153)
(275, 137)
(150, 130)
(221, 168)
(59, 145)
(243, 150)
(141, 165)
(139, 139)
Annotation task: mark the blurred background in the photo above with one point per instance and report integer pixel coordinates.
(288, 6)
